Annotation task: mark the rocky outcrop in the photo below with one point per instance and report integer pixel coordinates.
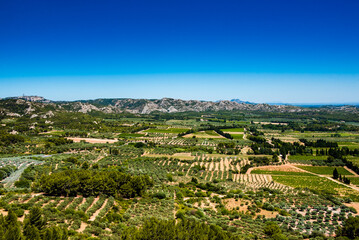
(38, 106)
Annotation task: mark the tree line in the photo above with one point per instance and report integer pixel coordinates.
(170, 229)
(75, 182)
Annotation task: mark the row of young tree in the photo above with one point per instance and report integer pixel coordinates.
(339, 177)
(34, 227)
(182, 229)
(94, 183)
(320, 143)
(6, 171)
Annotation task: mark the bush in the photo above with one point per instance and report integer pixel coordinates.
(159, 195)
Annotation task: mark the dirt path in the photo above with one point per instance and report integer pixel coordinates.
(94, 201)
(245, 149)
(174, 209)
(351, 171)
(99, 158)
(93, 217)
(82, 227)
(211, 178)
(221, 165)
(354, 205)
(83, 201)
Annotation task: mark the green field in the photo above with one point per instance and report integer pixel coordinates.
(325, 170)
(237, 136)
(233, 130)
(124, 135)
(176, 167)
(280, 173)
(318, 184)
(354, 180)
(354, 160)
(168, 130)
(307, 158)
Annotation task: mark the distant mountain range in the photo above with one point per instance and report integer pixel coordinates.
(39, 105)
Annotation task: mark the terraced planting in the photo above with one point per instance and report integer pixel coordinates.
(150, 175)
(21, 163)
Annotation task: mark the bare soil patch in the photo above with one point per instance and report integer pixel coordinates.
(354, 205)
(280, 168)
(93, 217)
(231, 203)
(82, 227)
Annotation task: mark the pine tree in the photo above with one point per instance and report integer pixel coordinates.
(48, 234)
(11, 219)
(31, 232)
(13, 232)
(335, 174)
(36, 218)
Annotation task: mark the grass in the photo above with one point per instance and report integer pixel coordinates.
(354, 160)
(169, 130)
(122, 135)
(237, 136)
(53, 133)
(325, 170)
(233, 130)
(304, 157)
(350, 145)
(258, 171)
(318, 184)
(354, 180)
(205, 134)
(211, 133)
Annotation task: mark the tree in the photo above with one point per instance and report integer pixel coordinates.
(335, 173)
(85, 165)
(11, 218)
(350, 228)
(272, 228)
(31, 232)
(279, 236)
(36, 219)
(13, 233)
(275, 158)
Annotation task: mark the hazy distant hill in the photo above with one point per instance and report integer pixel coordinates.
(35, 105)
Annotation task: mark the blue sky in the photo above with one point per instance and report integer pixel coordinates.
(263, 51)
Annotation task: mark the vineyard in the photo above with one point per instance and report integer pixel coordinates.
(238, 175)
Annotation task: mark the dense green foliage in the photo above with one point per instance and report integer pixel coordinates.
(184, 229)
(34, 228)
(86, 175)
(94, 183)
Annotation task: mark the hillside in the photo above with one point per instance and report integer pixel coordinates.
(30, 105)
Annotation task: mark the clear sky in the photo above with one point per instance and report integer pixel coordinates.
(298, 51)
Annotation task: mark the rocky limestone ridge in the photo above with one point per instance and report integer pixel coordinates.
(170, 105)
(41, 107)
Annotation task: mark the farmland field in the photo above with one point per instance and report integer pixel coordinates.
(306, 158)
(204, 134)
(229, 130)
(167, 130)
(124, 172)
(325, 170)
(274, 173)
(317, 184)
